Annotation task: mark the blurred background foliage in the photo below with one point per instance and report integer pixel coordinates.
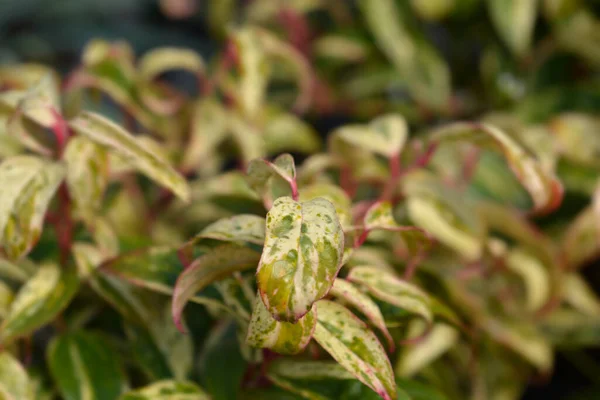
(469, 58)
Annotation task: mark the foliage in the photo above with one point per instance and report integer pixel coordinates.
(198, 240)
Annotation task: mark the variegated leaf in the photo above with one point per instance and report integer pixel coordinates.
(158, 61)
(28, 184)
(514, 20)
(337, 197)
(283, 337)
(47, 293)
(85, 367)
(110, 135)
(262, 172)
(387, 287)
(350, 294)
(14, 381)
(301, 257)
(418, 355)
(385, 135)
(87, 173)
(425, 72)
(242, 228)
(167, 390)
(218, 263)
(355, 347)
(543, 186)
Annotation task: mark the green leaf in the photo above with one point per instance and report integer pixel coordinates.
(28, 184)
(514, 20)
(262, 172)
(243, 228)
(87, 173)
(581, 239)
(333, 193)
(6, 298)
(534, 274)
(14, 381)
(85, 367)
(416, 390)
(110, 135)
(301, 257)
(385, 135)
(543, 186)
(46, 294)
(425, 72)
(351, 295)
(284, 131)
(251, 144)
(283, 337)
(218, 263)
(158, 61)
(387, 287)
(167, 390)
(355, 347)
(418, 355)
(580, 295)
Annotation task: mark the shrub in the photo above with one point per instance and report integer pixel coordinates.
(159, 239)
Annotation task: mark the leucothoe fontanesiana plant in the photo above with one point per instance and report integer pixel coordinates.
(157, 240)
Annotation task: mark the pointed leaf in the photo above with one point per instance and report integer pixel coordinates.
(28, 184)
(350, 294)
(543, 186)
(534, 274)
(514, 20)
(282, 337)
(167, 390)
(216, 264)
(355, 347)
(387, 287)
(260, 172)
(85, 367)
(110, 135)
(46, 294)
(301, 257)
(158, 61)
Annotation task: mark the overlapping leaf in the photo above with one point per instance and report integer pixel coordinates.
(165, 390)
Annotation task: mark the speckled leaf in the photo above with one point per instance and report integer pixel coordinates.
(425, 72)
(543, 186)
(243, 228)
(110, 135)
(47, 293)
(301, 257)
(385, 135)
(167, 390)
(14, 381)
(87, 173)
(355, 347)
(85, 367)
(514, 21)
(283, 337)
(333, 193)
(351, 295)
(387, 287)
(218, 263)
(28, 184)
(158, 61)
(418, 355)
(261, 172)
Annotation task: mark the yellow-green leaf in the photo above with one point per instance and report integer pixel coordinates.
(28, 184)
(110, 135)
(355, 347)
(167, 390)
(514, 20)
(262, 172)
(283, 337)
(46, 294)
(301, 257)
(14, 381)
(333, 193)
(158, 61)
(242, 228)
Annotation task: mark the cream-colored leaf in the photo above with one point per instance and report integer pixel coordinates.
(14, 381)
(167, 390)
(158, 61)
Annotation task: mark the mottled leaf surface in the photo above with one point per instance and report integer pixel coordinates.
(244, 228)
(355, 347)
(301, 257)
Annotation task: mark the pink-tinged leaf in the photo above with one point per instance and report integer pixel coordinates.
(352, 344)
(282, 337)
(543, 186)
(351, 295)
(301, 257)
(212, 266)
(261, 174)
